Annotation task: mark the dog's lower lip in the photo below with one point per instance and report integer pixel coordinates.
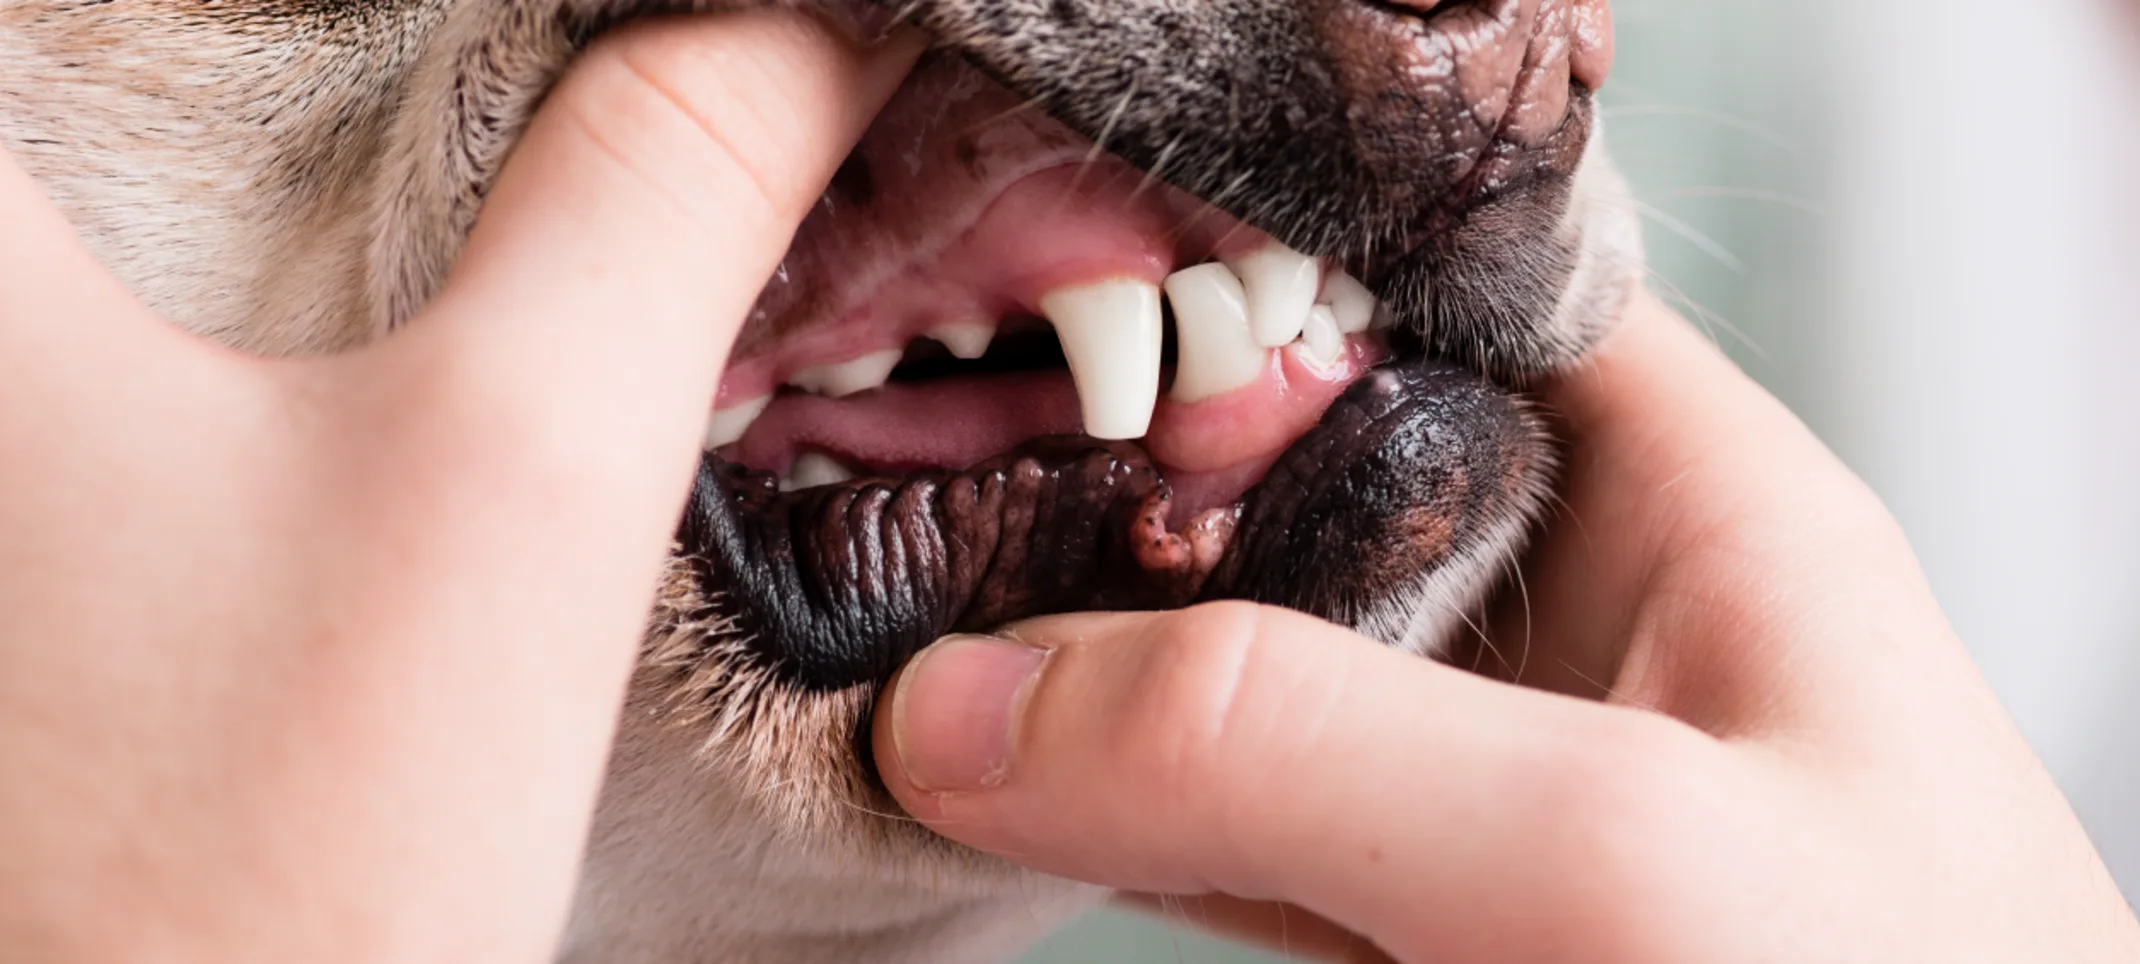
(836, 585)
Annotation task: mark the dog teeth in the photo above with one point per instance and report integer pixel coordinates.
(848, 377)
(1281, 284)
(812, 469)
(1111, 332)
(1350, 302)
(1321, 342)
(1216, 352)
(965, 339)
(727, 425)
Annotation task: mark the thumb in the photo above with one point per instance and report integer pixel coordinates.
(1268, 755)
(641, 214)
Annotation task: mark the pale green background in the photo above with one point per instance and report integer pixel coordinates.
(1918, 222)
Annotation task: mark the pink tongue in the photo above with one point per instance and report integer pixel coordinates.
(1211, 451)
(952, 422)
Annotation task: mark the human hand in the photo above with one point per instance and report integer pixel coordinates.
(1746, 733)
(312, 660)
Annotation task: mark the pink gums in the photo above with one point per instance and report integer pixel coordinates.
(1074, 223)
(977, 207)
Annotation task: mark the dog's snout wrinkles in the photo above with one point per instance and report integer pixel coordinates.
(1431, 87)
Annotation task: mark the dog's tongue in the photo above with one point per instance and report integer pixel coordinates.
(840, 584)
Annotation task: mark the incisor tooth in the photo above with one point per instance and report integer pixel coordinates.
(812, 469)
(966, 339)
(1320, 339)
(1111, 334)
(1282, 284)
(1350, 302)
(848, 377)
(727, 425)
(1216, 352)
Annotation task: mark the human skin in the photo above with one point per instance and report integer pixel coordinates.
(1745, 732)
(291, 665)
(291, 670)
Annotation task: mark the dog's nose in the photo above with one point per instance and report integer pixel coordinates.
(1434, 89)
(1586, 26)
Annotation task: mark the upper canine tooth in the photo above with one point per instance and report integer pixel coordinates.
(1216, 352)
(1350, 301)
(848, 377)
(1281, 284)
(966, 339)
(1323, 343)
(1112, 336)
(812, 469)
(727, 425)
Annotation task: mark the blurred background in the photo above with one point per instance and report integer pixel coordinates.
(1918, 222)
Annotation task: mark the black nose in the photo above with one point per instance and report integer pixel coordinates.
(1431, 88)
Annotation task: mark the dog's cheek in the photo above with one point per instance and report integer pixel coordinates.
(1532, 276)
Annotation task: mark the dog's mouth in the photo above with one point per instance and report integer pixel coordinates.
(1002, 374)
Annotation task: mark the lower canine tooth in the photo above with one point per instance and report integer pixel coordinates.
(1112, 335)
(965, 339)
(848, 377)
(1217, 353)
(1323, 343)
(1350, 302)
(727, 425)
(1282, 284)
(812, 469)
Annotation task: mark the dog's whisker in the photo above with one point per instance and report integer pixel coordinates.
(1694, 236)
(1614, 114)
(1778, 198)
(1710, 320)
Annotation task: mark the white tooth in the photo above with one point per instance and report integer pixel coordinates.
(727, 425)
(1216, 352)
(1282, 284)
(966, 339)
(1350, 301)
(812, 469)
(1111, 334)
(1321, 342)
(848, 377)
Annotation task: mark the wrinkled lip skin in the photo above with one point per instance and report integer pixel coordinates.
(840, 584)
(837, 585)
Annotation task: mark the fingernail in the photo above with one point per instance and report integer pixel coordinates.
(956, 708)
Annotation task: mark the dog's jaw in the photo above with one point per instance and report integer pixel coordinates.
(750, 836)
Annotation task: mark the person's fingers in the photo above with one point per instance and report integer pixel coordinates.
(1713, 560)
(1264, 754)
(1297, 933)
(485, 498)
(90, 378)
(636, 222)
(522, 448)
(55, 296)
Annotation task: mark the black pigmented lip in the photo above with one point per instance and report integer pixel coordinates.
(837, 585)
